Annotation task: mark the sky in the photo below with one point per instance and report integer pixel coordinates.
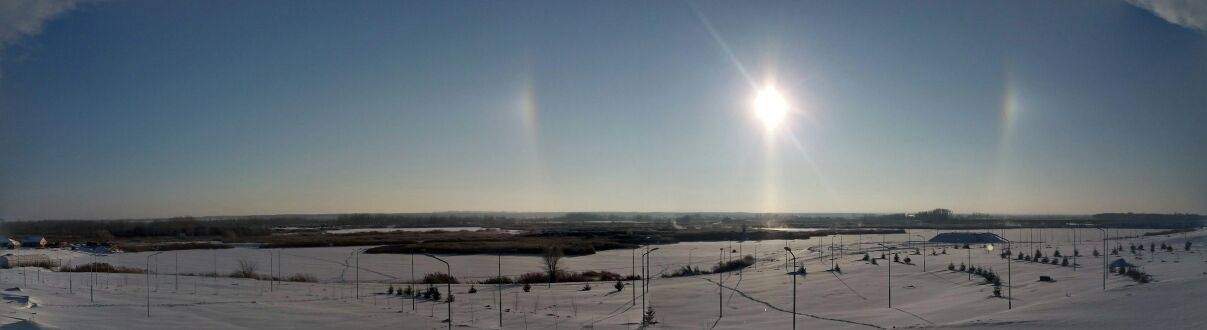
(133, 109)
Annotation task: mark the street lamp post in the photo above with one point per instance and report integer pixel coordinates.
(449, 287)
(1009, 276)
(645, 280)
(499, 289)
(720, 294)
(969, 261)
(793, 285)
(1009, 303)
(890, 276)
(633, 281)
(148, 271)
(1104, 238)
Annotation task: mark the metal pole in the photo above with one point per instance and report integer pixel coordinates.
(794, 269)
(1009, 277)
(413, 282)
(177, 275)
(645, 281)
(720, 294)
(643, 278)
(1104, 238)
(358, 275)
(1075, 252)
(449, 287)
(499, 288)
(92, 278)
(148, 272)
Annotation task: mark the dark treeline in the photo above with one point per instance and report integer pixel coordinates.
(232, 227)
(944, 219)
(109, 229)
(638, 226)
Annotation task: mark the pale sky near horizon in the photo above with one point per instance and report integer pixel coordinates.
(120, 109)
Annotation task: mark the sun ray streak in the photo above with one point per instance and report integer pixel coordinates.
(821, 179)
(716, 36)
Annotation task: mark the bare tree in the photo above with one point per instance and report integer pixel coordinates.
(247, 269)
(553, 255)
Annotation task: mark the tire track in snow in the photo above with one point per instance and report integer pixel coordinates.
(844, 283)
(769, 305)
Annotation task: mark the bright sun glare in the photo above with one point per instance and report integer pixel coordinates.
(770, 107)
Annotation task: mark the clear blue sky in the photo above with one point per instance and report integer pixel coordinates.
(164, 108)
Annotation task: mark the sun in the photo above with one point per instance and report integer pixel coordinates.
(770, 107)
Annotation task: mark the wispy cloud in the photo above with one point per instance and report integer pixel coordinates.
(20, 19)
(1191, 14)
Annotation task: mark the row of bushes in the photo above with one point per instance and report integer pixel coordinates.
(244, 271)
(536, 277)
(1135, 274)
(988, 274)
(720, 267)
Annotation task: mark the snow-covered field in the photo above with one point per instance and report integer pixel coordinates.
(759, 297)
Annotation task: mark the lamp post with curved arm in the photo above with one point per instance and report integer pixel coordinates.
(1103, 258)
(793, 285)
(148, 271)
(890, 276)
(645, 281)
(449, 287)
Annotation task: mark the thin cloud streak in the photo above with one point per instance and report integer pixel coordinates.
(1191, 14)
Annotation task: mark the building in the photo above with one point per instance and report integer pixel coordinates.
(968, 238)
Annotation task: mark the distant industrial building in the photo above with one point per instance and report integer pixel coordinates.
(968, 238)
